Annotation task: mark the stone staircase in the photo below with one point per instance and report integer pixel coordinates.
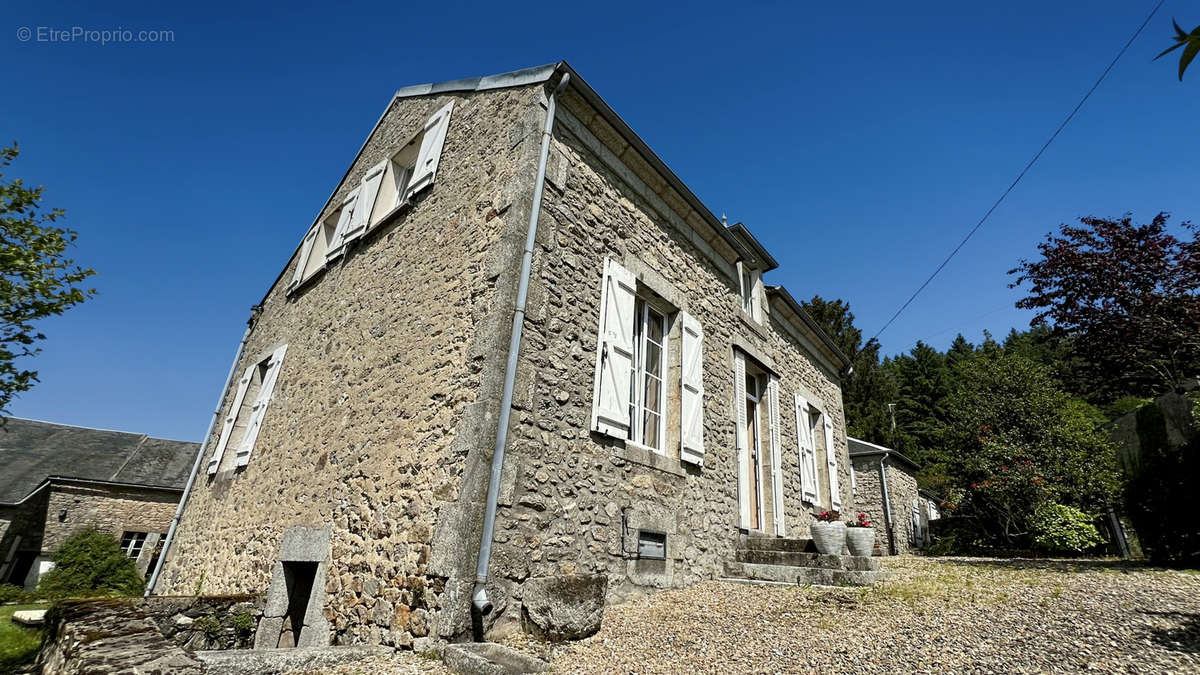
(795, 561)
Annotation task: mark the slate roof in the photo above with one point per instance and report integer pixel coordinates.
(32, 451)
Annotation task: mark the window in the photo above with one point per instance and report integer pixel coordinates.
(382, 188)
(630, 394)
(246, 413)
(749, 280)
(818, 456)
(652, 545)
(646, 409)
(132, 543)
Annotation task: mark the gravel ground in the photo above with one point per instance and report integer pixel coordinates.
(959, 615)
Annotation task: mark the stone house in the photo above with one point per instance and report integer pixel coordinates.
(58, 479)
(510, 323)
(885, 482)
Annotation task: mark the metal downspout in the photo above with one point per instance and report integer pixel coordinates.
(187, 490)
(887, 506)
(479, 596)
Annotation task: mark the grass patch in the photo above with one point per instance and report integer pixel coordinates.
(18, 644)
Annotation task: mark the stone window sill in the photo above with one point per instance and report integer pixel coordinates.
(758, 328)
(640, 454)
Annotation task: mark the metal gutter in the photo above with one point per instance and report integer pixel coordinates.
(887, 505)
(187, 489)
(479, 596)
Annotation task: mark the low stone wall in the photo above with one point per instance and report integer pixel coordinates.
(160, 634)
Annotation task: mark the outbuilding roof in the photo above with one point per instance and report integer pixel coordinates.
(861, 448)
(32, 451)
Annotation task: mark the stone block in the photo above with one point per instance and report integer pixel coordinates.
(565, 607)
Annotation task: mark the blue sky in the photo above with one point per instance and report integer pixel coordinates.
(859, 145)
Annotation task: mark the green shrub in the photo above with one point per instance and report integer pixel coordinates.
(91, 563)
(10, 593)
(1061, 529)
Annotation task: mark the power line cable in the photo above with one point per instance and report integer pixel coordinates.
(1023, 171)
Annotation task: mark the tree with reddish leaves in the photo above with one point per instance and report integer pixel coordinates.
(1124, 297)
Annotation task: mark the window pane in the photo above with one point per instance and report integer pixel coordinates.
(653, 363)
(654, 330)
(752, 386)
(650, 430)
(653, 400)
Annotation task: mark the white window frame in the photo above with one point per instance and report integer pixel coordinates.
(135, 545)
(637, 404)
(756, 452)
(749, 285)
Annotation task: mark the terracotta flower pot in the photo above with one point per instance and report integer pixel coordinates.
(829, 537)
(860, 540)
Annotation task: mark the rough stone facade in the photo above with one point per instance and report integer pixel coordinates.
(383, 417)
(902, 495)
(111, 509)
(382, 405)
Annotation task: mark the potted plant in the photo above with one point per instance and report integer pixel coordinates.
(829, 533)
(860, 536)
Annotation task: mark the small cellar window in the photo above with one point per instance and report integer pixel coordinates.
(652, 545)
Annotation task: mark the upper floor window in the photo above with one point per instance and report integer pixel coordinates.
(647, 406)
(750, 282)
(246, 413)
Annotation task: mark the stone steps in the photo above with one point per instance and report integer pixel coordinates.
(777, 560)
(800, 575)
(817, 560)
(271, 661)
(765, 543)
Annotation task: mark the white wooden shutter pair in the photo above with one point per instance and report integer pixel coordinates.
(691, 415)
(431, 151)
(360, 220)
(257, 411)
(614, 352)
(776, 454)
(740, 440)
(835, 491)
(808, 451)
(343, 224)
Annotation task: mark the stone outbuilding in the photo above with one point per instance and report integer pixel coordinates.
(512, 346)
(885, 482)
(56, 479)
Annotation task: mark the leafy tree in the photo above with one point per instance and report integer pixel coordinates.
(1190, 43)
(91, 563)
(1016, 443)
(36, 279)
(1125, 296)
(869, 388)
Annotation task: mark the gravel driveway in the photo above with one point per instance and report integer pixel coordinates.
(960, 615)
(934, 615)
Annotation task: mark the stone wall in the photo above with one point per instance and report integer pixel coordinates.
(382, 417)
(902, 491)
(110, 509)
(572, 500)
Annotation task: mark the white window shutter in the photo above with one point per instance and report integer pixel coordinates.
(305, 251)
(776, 455)
(755, 295)
(227, 429)
(743, 449)
(807, 449)
(360, 220)
(691, 415)
(431, 151)
(260, 406)
(339, 233)
(614, 352)
(835, 492)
